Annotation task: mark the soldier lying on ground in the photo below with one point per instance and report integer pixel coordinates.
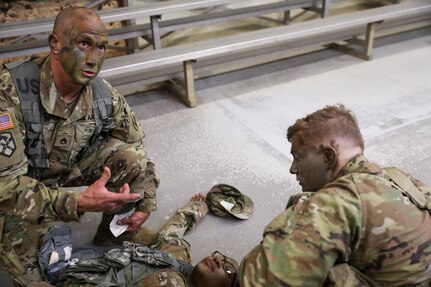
(166, 263)
(61, 125)
(354, 224)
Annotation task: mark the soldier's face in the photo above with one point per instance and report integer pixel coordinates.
(83, 50)
(309, 165)
(214, 272)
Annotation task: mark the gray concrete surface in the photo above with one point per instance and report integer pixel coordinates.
(236, 134)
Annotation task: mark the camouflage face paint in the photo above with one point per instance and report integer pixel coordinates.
(308, 165)
(209, 272)
(83, 50)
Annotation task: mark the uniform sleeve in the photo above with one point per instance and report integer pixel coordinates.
(22, 196)
(128, 129)
(302, 244)
(171, 234)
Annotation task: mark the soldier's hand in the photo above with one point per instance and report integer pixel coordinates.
(135, 220)
(98, 198)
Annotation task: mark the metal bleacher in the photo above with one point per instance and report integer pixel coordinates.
(129, 73)
(179, 65)
(152, 30)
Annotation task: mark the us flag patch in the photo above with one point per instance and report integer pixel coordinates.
(5, 122)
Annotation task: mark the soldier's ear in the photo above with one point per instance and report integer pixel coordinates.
(54, 44)
(330, 158)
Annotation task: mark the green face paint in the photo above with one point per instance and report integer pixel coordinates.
(83, 54)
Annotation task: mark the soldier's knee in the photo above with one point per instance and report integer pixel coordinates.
(127, 159)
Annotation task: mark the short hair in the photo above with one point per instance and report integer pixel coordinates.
(66, 17)
(329, 122)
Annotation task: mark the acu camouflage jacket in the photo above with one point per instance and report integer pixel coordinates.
(361, 218)
(35, 201)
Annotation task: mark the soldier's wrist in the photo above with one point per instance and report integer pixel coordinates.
(146, 205)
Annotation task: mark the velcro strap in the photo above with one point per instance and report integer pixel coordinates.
(407, 187)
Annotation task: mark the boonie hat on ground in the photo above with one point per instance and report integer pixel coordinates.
(225, 200)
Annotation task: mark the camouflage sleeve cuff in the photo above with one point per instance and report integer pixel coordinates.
(67, 206)
(201, 206)
(148, 204)
(194, 211)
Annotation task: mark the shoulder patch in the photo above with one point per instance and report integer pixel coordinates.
(7, 144)
(6, 122)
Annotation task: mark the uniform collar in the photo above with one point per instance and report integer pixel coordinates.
(359, 164)
(52, 101)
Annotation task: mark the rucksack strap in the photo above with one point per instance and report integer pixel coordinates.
(102, 109)
(405, 184)
(26, 78)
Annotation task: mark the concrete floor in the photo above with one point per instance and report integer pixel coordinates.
(236, 134)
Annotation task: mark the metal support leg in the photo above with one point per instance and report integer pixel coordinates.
(185, 90)
(131, 44)
(325, 8)
(286, 17)
(366, 46)
(189, 83)
(155, 31)
(369, 40)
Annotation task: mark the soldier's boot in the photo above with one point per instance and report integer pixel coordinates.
(105, 238)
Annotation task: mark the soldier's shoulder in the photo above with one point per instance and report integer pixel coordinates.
(8, 93)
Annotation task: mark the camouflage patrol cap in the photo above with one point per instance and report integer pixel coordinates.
(225, 200)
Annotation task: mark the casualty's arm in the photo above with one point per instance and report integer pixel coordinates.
(170, 237)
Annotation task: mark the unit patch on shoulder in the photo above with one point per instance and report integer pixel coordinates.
(7, 144)
(6, 122)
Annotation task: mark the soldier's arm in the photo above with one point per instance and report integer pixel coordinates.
(170, 238)
(184, 219)
(22, 196)
(128, 129)
(305, 241)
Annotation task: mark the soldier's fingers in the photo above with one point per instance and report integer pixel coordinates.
(126, 196)
(106, 175)
(125, 189)
(125, 221)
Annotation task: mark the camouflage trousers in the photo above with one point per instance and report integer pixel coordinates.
(19, 240)
(128, 164)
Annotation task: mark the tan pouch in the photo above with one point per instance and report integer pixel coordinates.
(418, 197)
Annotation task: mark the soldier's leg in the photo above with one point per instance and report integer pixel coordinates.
(18, 248)
(128, 164)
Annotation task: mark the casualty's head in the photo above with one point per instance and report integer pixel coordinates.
(216, 270)
(78, 44)
(322, 143)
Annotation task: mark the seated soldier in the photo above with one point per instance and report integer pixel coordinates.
(63, 126)
(354, 224)
(166, 263)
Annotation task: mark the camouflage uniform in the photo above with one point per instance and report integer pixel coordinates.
(26, 204)
(361, 218)
(170, 241)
